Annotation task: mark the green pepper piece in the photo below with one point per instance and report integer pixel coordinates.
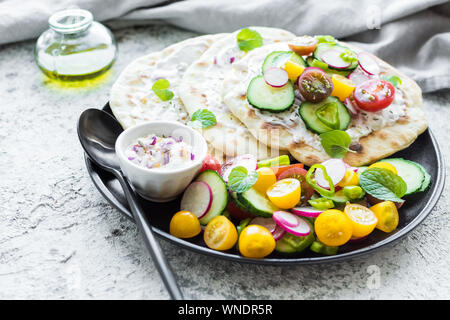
(312, 182)
(242, 225)
(328, 114)
(319, 247)
(321, 203)
(353, 192)
(316, 246)
(275, 162)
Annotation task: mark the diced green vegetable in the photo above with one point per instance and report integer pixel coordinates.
(321, 203)
(275, 162)
(353, 192)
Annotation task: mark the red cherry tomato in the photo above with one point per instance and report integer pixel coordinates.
(299, 174)
(237, 212)
(211, 163)
(374, 94)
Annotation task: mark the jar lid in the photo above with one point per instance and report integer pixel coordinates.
(70, 21)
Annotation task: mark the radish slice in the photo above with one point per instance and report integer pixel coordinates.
(335, 170)
(276, 77)
(309, 212)
(301, 229)
(351, 107)
(286, 218)
(247, 161)
(358, 76)
(197, 198)
(278, 233)
(267, 223)
(368, 64)
(333, 58)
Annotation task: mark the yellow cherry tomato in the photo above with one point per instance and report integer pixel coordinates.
(294, 70)
(184, 224)
(285, 193)
(342, 87)
(220, 233)
(256, 242)
(363, 219)
(384, 165)
(351, 178)
(266, 178)
(333, 228)
(387, 215)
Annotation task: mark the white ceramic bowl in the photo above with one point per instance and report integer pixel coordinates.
(160, 184)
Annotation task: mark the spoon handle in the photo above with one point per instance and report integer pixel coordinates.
(152, 244)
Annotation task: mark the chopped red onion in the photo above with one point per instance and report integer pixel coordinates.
(166, 158)
(232, 59)
(215, 60)
(153, 141)
(192, 156)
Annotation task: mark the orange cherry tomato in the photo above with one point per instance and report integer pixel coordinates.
(333, 228)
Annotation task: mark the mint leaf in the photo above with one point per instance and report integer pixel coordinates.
(394, 80)
(249, 39)
(383, 184)
(335, 143)
(241, 180)
(203, 118)
(160, 88)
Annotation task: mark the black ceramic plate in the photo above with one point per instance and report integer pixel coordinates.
(424, 150)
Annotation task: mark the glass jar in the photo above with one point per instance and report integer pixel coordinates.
(75, 47)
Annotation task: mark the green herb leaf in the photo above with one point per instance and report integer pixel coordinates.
(383, 184)
(240, 180)
(160, 88)
(335, 143)
(203, 118)
(249, 39)
(394, 80)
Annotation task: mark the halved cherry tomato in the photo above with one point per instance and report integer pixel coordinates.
(184, 224)
(294, 70)
(333, 228)
(314, 84)
(374, 94)
(342, 87)
(266, 178)
(285, 193)
(384, 165)
(237, 212)
(255, 241)
(363, 219)
(279, 170)
(351, 178)
(387, 215)
(220, 233)
(296, 171)
(211, 163)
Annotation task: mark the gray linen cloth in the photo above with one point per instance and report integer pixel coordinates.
(412, 35)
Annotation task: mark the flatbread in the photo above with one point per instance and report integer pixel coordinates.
(202, 87)
(132, 99)
(393, 135)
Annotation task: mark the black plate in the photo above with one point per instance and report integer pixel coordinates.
(424, 150)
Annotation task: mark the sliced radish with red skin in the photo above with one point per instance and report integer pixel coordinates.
(278, 233)
(335, 170)
(351, 107)
(368, 63)
(276, 77)
(197, 198)
(285, 218)
(333, 58)
(359, 76)
(267, 223)
(309, 212)
(301, 229)
(247, 161)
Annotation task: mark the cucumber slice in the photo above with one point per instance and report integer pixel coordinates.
(239, 204)
(410, 172)
(426, 181)
(308, 113)
(283, 247)
(219, 191)
(322, 47)
(279, 58)
(322, 65)
(257, 203)
(265, 97)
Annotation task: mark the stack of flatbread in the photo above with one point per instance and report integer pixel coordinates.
(211, 72)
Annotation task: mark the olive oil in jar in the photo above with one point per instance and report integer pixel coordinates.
(75, 47)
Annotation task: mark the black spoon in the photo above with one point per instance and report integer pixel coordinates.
(98, 132)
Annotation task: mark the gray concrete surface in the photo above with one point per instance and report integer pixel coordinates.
(59, 239)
